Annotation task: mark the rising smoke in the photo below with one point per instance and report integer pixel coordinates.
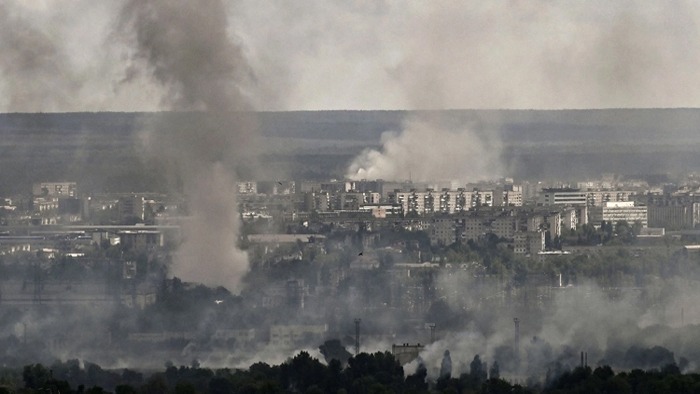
(621, 331)
(429, 150)
(184, 47)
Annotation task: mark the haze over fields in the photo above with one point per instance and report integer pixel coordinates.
(102, 148)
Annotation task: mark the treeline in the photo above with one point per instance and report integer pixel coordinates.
(364, 373)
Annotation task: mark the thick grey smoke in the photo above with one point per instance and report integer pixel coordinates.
(502, 54)
(184, 47)
(580, 318)
(384, 55)
(35, 73)
(428, 150)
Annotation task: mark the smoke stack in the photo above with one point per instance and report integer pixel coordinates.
(432, 332)
(357, 336)
(581, 359)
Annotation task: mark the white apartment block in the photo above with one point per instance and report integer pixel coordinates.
(617, 211)
(597, 198)
(444, 201)
(563, 196)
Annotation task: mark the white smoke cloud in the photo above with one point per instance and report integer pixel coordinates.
(381, 55)
(457, 54)
(427, 150)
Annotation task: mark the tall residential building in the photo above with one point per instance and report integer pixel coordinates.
(513, 195)
(446, 201)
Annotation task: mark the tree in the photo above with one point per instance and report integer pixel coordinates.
(477, 373)
(35, 376)
(495, 371)
(446, 366)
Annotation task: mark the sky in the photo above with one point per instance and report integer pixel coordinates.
(71, 55)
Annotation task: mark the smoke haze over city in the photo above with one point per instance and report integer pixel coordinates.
(310, 196)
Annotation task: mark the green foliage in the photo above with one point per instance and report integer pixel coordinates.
(365, 373)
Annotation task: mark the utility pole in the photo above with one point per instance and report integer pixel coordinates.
(357, 336)
(516, 344)
(432, 332)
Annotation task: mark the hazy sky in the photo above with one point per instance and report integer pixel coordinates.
(68, 55)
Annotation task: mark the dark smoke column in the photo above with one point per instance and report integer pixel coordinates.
(184, 47)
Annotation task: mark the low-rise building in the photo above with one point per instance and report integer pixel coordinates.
(674, 217)
(529, 243)
(405, 353)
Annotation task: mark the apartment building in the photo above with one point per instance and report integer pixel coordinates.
(617, 211)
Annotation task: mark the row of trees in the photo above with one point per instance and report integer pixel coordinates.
(364, 373)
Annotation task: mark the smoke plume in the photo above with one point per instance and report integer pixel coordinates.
(427, 150)
(184, 47)
(506, 54)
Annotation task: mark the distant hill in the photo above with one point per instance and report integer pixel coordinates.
(100, 149)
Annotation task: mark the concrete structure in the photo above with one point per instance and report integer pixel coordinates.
(405, 353)
(674, 217)
(55, 189)
(569, 219)
(443, 231)
(512, 196)
(445, 201)
(563, 196)
(16, 293)
(613, 212)
(289, 336)
(248, 187)
(141, 239)
(554, 224)
(131, 208)
(596, 198)
(503, 223)
(381, 211)
(240, 336)
(528, 243)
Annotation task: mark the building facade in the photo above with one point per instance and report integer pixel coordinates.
(613, 212)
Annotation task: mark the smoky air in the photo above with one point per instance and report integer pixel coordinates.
(348, 197)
